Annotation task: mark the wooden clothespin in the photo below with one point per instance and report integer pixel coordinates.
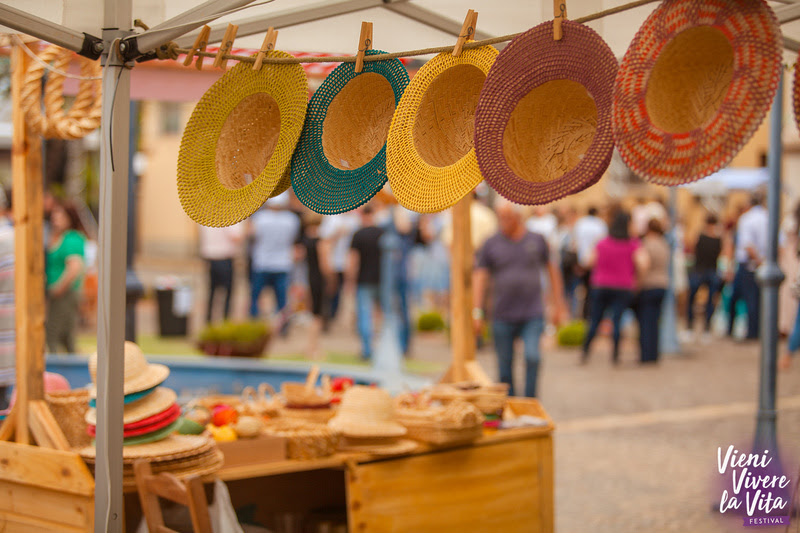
(225, 46)
(467, 32)
(199, 46)
(266, 46)
(559, 15)
(364, 44)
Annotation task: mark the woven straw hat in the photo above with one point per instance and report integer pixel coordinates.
(139, 374)
(378, 446)
(543, 122)
(366, 412)
(153, 436)
(340, 162)
(128, 398)
(430, 157)
(172, 448)
(239, 141)
(693, 87)
(148, 425)
(156, 403)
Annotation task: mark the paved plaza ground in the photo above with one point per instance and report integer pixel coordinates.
(635, 447)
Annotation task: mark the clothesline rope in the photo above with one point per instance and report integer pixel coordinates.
(410, 53)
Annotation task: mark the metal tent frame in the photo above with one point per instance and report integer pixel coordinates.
(119, 46)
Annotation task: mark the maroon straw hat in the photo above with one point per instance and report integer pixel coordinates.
(543, 122)
(694, 85)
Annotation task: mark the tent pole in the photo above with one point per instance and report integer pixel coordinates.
(112, 241)
(769, 277)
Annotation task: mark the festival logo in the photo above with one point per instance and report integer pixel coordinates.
(754, 486)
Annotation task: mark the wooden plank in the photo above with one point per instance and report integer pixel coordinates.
(41, 467)
(474, 489)
(9, 426)
(26, 165)
(62, 508)
(14, 523)
(461, 332)
(44, 427)
(279, 467)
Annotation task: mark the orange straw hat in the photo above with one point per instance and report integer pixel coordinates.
(693, 87)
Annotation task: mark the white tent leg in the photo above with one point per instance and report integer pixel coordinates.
(112, 243)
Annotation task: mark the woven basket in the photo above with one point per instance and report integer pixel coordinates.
(297, 394)
(263, 402)
(304, 440)
(430, 157)
(69, 409)
(543, 122)
(458, 422)
(239, 141)
(489, 399)
(318, 415)
(693, 87)
(340, 161)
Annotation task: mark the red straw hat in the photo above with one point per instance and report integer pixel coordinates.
(693, 87)
(543, 122)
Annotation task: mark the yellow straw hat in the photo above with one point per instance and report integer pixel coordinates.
(239, 141)
(366, 412)
(430, 158)
(139, 375)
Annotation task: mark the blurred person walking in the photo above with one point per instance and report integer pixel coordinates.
(7, 303)
(316, 281)
(750, 250)
(588, 231)
(615, 263)
(568, 256)
(336, 234)
(64, 267)
(707, 250)
(364, 272)
(515, 260)
(653, 282)
(275, 230)
(218, 247)
(788, 261)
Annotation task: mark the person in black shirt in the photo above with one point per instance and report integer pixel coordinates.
(704, 273)
(316, 281)
(364, 269)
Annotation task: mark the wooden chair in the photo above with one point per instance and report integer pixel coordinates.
(189, 492)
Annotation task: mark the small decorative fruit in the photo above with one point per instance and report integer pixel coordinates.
(248, 426)
(224, 414)
(341, 384)
(222, 433)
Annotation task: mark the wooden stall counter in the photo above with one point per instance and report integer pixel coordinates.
(501, 482)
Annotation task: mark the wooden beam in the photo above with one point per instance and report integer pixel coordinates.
(44, 427)
(462, 336)
(26, 165)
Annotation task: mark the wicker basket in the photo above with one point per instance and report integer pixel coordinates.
(263, 402)
(317, 415)
(488, 398)
(297, 394)
(69, 409)
(304, 440)
(458, 422)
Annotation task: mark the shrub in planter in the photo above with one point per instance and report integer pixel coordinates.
(241, 339)
(430, 321)
(572, 334)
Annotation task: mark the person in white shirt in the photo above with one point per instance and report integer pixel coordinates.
(218, 247)
(588, 231)
(275, 231)
(335, 233)
(750, 251)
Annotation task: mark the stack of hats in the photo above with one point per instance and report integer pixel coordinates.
(366, 419)
(151, 417)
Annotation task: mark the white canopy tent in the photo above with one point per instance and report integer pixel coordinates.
(311, 26)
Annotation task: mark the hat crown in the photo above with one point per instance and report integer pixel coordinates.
(135, 363)
(369, 404)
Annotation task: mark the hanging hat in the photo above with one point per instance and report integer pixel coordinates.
(543, 123)
(239, 141)
(139, 375)
(340, 162)
(161, 400)
(693, 87)
(366, 412)
(430, 157)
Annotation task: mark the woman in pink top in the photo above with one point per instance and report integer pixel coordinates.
(615, 263)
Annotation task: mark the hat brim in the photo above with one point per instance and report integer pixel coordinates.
(203, 197)
(172, 448)
(320, 186)
(529, 61)
(677, 158)
(154, 403)
(349, 427)
(394, 447)
(418, 185)
(154, 376)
